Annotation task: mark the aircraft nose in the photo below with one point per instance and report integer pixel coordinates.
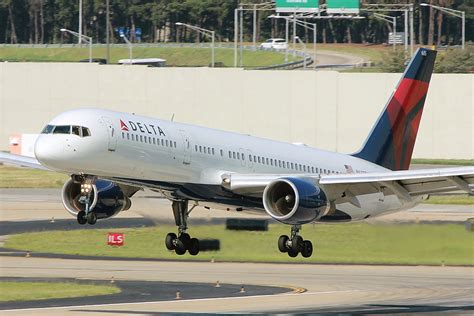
(49, 151)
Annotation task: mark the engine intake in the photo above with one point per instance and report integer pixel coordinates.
(108, 198)
(295, 201)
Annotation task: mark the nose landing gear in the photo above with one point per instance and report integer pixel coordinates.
(85, 198)
(295, 244)
(183, 242)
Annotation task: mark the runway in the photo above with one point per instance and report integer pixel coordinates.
(318, 289)
(329, 288)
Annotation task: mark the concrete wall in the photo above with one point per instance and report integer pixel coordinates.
(329, 110)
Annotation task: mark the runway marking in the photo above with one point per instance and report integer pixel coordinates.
(176, 301)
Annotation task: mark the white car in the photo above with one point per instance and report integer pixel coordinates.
(274, 43)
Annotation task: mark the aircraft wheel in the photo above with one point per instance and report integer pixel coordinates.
(296, 243)
(185, 239)
(193, 247)
(292, 253)
(91, 218)
(307, 250)
(282, 243)
(81, 218)
(180, 248)
(169, 241)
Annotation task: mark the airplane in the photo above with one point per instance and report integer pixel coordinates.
(111, 155)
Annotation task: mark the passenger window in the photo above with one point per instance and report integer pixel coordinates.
(128, 136)
(77, 131)
(222, 153)
(145, 139)
(250, 158)
(62, 129)
(258, 159)
(141, 138)
(85, 132)
(205, 150)
(266, 159)
(196, 147)
(230, 155)
(238, 156)
(213, 151)
(167, 143)
(233, 154)
(154, 141)
(48, 129)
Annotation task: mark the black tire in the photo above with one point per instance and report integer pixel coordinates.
(307, 250)
(91, 218)
(282, 243)
(193, 248)
(180, 248)
(81, 218)
(297, 244)
(292, 253)
(169, 241)
(185, 239)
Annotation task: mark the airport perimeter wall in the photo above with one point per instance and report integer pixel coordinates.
(325, 109)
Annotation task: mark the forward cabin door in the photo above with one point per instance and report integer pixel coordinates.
(187, 147)
(111, 132)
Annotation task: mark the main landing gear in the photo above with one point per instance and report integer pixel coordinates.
(85, 198)
(183, 241)
(295, 244)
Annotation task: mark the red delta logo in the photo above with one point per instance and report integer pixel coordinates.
(123, 126)
(115, 239)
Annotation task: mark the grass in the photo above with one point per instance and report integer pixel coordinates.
(360, 243)
(447, 162)
(29, 291)
(15, 177)
(175, 56)
(451, 200)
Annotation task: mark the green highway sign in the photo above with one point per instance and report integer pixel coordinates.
(297, 6)
(343, 6)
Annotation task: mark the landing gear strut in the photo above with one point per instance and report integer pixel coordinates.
(86, 216)
(295, 244)
(183, 241)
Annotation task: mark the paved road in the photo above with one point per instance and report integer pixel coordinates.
(330, 288)
(44, 204)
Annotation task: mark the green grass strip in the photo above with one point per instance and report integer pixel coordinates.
(175, 56)
(15, 177)
(30, 291)
(447, 162)
(451, 200)
(362, 243)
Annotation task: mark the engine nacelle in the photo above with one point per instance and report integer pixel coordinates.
(108, 198)
(295, 201)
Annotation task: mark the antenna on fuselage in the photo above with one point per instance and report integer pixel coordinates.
(172, 118)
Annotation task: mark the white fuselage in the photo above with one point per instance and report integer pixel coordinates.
(165, 155)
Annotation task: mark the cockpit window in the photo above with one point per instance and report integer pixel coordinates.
(62, 129)
(85, 132)
(48, 129)
(80, 131)
(76, 130)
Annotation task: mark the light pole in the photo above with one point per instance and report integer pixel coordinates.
(130, 47)
(389, 19)
(456, 13)
(80, 22)
(209, 33)
(82, 38)
(304, 49)
(306, 25)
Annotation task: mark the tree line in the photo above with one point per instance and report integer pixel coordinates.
(39, 21)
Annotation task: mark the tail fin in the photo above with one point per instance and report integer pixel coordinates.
(391, 141)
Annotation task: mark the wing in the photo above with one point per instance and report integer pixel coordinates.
(344, 187)
(23, 161)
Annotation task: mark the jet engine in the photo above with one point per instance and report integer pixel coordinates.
(295, 201)
(107, 198)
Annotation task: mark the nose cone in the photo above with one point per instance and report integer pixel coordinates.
(49, 151)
